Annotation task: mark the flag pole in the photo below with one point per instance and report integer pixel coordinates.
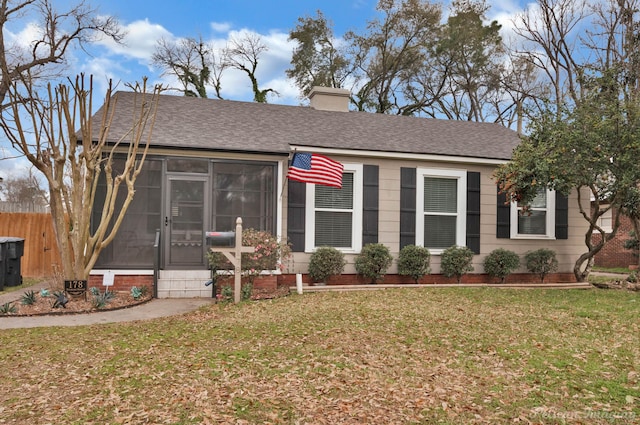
(286, 179)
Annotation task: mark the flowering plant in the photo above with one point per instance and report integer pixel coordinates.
(270, 254)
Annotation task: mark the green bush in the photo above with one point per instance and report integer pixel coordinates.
(226, 293)
(501, 263)
(414, 261)
(324, 262)
(246, 291)
(373, 261)
(456, 261)
(541, 262)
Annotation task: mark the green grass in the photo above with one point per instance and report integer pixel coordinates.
(622, 270)
(451, 356)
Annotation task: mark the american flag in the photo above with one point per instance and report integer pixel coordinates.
(316, 169)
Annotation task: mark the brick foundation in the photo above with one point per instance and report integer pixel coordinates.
(122, 282)
(271, 283)
(353, 279)
(266, 283)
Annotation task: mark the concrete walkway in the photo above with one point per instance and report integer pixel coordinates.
(170, 307)
(150, 310)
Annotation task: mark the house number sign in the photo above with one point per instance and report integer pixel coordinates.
(75, 287)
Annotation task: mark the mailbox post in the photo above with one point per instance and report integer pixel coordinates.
(234, 255)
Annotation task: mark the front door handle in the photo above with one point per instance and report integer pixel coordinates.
(166, 221)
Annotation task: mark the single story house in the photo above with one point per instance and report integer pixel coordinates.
(406, 180)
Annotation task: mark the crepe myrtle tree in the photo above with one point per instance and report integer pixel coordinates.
(56, 133)
(592, 146)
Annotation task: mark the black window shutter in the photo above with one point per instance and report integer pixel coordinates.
(473, 211)
(562, 216)
(407, 206)
(296, 199)
(503, 227)
(370, 207)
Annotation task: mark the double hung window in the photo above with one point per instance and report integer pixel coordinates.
(536, 221)
(441, 206)
(334, 215)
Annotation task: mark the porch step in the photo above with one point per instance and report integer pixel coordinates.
(341, 288)
(184, 284)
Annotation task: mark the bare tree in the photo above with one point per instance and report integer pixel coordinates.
(199, 65)
(193, 62)
(47, 131)
(243, 54)
(24, 190)
(550, 32)
(58, 31)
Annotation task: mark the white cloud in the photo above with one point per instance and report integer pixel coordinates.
(505, 12)
(12, 165)
(222, 27)
(270, 72)
(139, 42)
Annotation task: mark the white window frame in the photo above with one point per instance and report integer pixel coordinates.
(461, 213)
(550, 223)
(356, 228)
(606, 217)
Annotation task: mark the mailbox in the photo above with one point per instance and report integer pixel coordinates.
(221, 239)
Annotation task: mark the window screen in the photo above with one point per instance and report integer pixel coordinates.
(244, 190)
(440, 212)
(133, 244)
(534, 221)
(334, 214)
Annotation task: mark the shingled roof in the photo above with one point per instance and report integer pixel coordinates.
(223, 125)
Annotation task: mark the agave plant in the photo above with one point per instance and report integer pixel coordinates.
(101, 299)
(136, 292)
(28, 298)
(7, 308)
(61, 299)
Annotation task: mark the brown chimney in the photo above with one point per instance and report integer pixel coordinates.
(329, 99)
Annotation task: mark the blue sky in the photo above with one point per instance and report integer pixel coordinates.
(146, 21)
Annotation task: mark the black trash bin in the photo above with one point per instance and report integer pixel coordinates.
(11, 252)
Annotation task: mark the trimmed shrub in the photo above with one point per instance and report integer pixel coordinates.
(373, 261)
(414, 261)
(456, 261)
(501, 263)
(326, 261)
(246, 291)
(541, 262)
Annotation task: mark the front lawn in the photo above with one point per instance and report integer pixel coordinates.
(451, 356)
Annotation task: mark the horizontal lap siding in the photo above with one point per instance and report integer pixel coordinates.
(389, 218)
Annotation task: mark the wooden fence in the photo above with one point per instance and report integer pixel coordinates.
(41, 255)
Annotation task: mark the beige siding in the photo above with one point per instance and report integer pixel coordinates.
(567, 251)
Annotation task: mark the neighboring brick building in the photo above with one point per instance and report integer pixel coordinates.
(614, 254)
